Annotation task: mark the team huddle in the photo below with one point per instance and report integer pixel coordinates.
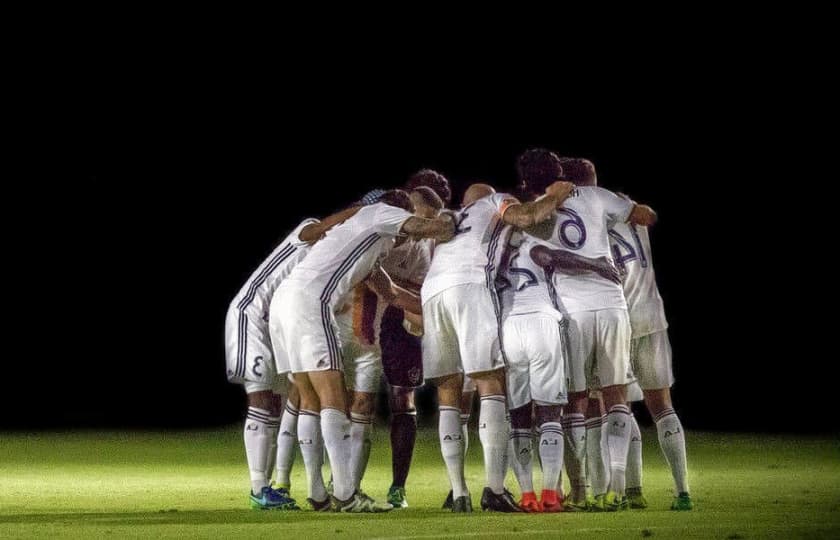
(544, 303)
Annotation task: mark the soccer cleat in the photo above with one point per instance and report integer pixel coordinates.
(682, 502)
(613, 502)
(551, 501)
(500, 502)
(462, 505)
(529, 502)
(396, 496)
(447, 504)
(359, 503)
(636, 499)
(269, 499)
(598, 504)
(276, 487)
(320, 506)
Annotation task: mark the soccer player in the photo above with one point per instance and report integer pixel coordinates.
(251, 363)
(599, 327)
(402, 358)
(461, 321)
(303, 327)
(650, 351)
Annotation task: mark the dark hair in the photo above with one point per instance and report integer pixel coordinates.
(538, 168)
(429, 197)
(432, 179)
(398, 198)
(579, 171)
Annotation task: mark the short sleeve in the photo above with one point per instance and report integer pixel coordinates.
(616, 208)
(294, 238)
(389, 219)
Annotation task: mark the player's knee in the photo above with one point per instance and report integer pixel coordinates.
(657, 400)
(520, 418)
(362, 403)
(261, 400)
(547, 412)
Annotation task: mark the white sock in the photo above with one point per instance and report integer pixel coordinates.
(551, 453)
(465, 432)
(521, 458)
(634, 456)
(312, 449)
(259, 426)
(493, 428)
(574, 429)
(618, 442)
(361, 426)
(672, 442)
(451, 447)
(596, 456)
(335, 427)
(286, 438)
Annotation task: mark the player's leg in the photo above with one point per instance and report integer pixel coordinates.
(520, 451)
(548, 368)
(467, 400)
(597, 455)
(442, 368)
(614, 373)
(287, 438)
(361, 427)
(403, 437)
(311, 442)
(402, 363)
(634, 455)
(656, 378)
(580, 340)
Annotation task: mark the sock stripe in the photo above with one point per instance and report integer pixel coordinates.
(619, 409)
(407, 413)
(448, 408)
(494, 397)
(667, 412)
(361, 418)
(291, 409)
(306, 412)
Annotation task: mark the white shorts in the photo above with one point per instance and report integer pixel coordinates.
(599, 349)
(536, 369)
(461, 332)
(279, 386)
(303, 331)
(248, 352)
(650, 357)
(362, 362)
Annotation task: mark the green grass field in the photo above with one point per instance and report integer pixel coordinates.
(194, 484)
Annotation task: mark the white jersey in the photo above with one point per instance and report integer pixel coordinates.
(631, 252)
(410, 261)
(581, 228)
(473, 255)
(254, 298)
(522, 284)
(347, 254)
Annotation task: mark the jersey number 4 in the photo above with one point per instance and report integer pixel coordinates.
(624, 251)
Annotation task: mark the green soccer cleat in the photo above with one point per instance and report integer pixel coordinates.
(598, 504)
(636, 499)
(396, 496)
(270, 499)
(682, 502)
(359, 503)
(613, 502)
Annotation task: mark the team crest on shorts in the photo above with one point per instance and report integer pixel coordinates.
(414, 375)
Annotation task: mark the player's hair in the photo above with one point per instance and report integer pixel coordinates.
(538, 168)
(433, 179)
(429, 197)
(579, 171)
(398, 198)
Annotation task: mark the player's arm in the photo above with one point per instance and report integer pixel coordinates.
(441, 228)
(315, 231)
(529, 214)
(381, 283)
(642, 214)
(572, 263)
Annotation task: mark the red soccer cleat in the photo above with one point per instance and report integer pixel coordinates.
(551, 502)
(529, 502)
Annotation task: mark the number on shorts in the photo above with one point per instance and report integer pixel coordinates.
(531, 278)
(575, 222)
(257, 362)
(461, 217)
